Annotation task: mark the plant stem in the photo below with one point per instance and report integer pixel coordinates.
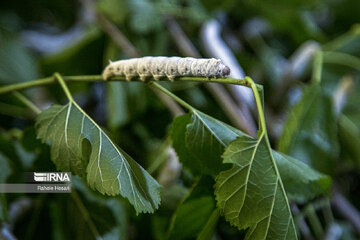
(317, 67)
(49, 80)
(27, 102)
(170, 94)
(314, 221)
(327, 211)
(95, 78)
(259, 103)
(15, 111)
(173, 107)
(247, 81)
(343, 59)
(64, 87)
(344, 39)
(19, 86)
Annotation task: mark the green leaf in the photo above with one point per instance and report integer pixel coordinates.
(349, 135)
(310, 133)
(301, 182)
(4, 174)
(206, 138)
(199, 141)
(17, 64)
(114, 9)
(89, 46)
(116, 206)
(208, 231)
(251, 194)
(144, 16)
(27, 158)
(178, 136)
(116, 104)
(193, 214)
(108, 168)
(5, 168)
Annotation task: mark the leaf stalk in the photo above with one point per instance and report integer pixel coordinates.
(64, 86)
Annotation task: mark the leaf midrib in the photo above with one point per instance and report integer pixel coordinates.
(248, 173)
(209, 128)
(281, 184)
(121, 157)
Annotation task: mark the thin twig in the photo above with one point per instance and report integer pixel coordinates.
(97, 78)
(234, 113)
(314, 221)
(64, 87)
(346, 210)
(170, 94)
(15, 111)
(27, 102)
(342, 58)
(173, 107)
(317, 67)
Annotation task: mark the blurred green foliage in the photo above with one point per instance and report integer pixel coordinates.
(302, 118)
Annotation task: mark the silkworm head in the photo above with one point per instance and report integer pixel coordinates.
(223, 70)
(226, 71)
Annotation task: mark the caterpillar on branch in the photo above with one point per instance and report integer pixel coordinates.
(170, 67)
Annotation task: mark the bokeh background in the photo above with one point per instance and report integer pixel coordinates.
(274, 42)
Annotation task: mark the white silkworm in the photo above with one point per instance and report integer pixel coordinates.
(170, 67)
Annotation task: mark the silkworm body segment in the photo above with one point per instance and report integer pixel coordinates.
(170, 67)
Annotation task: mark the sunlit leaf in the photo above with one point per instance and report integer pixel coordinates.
(208, 135)
(251, 194)
(199, 141)
(79, 145)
